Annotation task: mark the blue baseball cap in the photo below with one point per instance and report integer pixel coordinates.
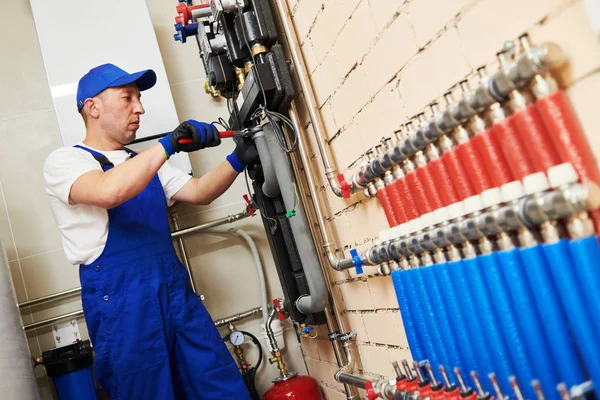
(108, 75)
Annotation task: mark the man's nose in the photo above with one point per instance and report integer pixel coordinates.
(139, 108)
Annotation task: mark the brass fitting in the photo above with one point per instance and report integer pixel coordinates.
(280, 364)
(258, 49)
(241, 78)
(208, 89)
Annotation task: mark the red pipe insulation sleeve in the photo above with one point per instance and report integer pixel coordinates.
(431, 191)
(474, 166)
(418, 191)
(514, 152)
(567, 135)
(387, 207)
(408, 202)
(493, 160)
(392, 193)
(443, 182)
(536, 139)
(460, 179)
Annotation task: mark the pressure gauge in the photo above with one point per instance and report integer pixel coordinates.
(236, 338)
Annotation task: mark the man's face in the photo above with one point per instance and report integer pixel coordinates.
(119, 112)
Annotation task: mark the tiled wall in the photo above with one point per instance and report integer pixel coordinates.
(29, 132)
(374, 64)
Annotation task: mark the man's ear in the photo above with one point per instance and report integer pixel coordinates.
(91, 107)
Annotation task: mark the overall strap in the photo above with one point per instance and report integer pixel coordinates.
(101, 158)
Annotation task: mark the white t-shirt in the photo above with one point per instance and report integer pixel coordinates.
(84, 228)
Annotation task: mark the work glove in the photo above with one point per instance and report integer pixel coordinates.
(244, 154)
(190, 136)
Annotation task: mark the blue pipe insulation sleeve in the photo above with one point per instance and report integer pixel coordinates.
(485, 315)
(586, 255)
(457, 319)
(418, 317)
(507, 319)
(441, 316)
(530, 324)
(483, 358)
(430, 320)
(405, 311)
(567, 284)
(553, 317)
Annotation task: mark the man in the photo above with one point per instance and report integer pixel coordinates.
(152, 336)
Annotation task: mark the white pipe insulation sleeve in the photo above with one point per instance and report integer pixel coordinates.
(17, 379)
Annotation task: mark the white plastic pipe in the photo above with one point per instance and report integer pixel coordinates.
(257, 264)
(17, 380)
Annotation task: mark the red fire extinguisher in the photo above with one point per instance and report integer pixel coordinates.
(296, 387)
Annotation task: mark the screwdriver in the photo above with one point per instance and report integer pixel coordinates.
(564, 391)
(481, 394)
(400, 378)
(222, 134)
(412, 386)
(465, 391)
(451, 391)
(424, 384)
(515, 387)
(437, 388)
(494, 380)
(537, 388)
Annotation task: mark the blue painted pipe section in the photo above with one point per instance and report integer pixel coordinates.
(530, 324)
(407, 319)
(431, 323)
(483, 358)
(441, 316)
(553, 317)
(562, 267)
(485, 315)
(586, 256)
(456, 318)
(419, 317)
(506, 318)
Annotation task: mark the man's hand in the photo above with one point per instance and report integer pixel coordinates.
(245, 154)
(190, 136)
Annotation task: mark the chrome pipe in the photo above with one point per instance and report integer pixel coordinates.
(50, 321)
(52, 297)
(318, 126)
(238, 317)
(350, 379)
(183, 251)
(218, 222)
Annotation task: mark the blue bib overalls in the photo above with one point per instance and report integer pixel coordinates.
(152, 336)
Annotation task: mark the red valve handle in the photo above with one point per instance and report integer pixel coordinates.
(184, 12)
(279, 309)
(345, 186)
(249, 205)
(371, 395)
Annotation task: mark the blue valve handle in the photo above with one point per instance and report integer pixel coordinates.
(456, 318)
(483, 358)
(418, 316)
(441, 357)
(183, 32)
(414, 342)
(506, 317)
(586, 255)
(530, 324)
(441, 317)
(501, 360)
(565, 280)
(358, 261)
(553, 317)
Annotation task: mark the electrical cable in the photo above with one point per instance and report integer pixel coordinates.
(257, 343)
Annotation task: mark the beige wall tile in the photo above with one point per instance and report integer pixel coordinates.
(385, 328)
(581, 95)
(326, 352)
(329, 24)
(367, 220)
(23, 82)
(310, 347)
(357, 325)
(384, 10)
(426, 23)
(342, 231)
(572, 31)
(6, 236)
(48, 273)
(332, 394)
(310, 58)
(17, 278)
(356, 295)
(375, 360)
(350, 98)
(325, 79)
(422, 81)
(347, 147)
(482, 36)
(331, 126)
(382, 64)
(382, 292)
(355, 38)
(192, 103)
(21, 173)
(305, 16)
(381, 117)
